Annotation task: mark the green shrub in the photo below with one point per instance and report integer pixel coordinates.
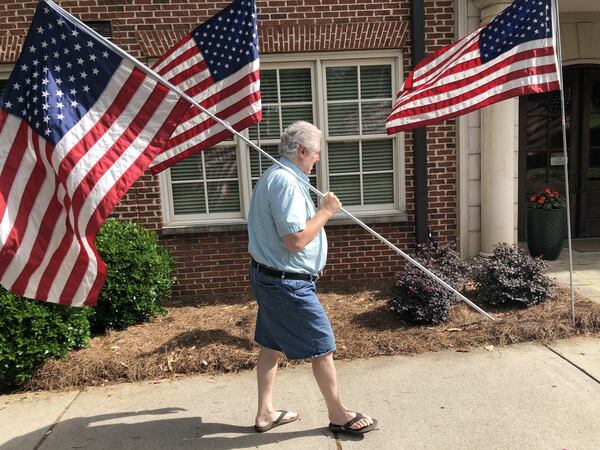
(511, 276)
(140, 274)
(419, 299)
(32, 332)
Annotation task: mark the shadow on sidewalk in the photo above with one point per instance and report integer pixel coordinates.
(185, 432)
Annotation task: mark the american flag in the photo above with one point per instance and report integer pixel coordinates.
(78, 125)
(218, 66)
(513, 55)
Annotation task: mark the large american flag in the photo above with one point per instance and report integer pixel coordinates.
(513, 55)
(218, 66)
(78, 125)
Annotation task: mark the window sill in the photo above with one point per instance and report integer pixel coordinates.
(175, 230)
(342, 219)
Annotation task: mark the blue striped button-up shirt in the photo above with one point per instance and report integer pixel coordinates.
(282, 205)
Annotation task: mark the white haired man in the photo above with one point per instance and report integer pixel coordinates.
(288, 246)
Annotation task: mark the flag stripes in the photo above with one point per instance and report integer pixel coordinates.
(463, 85)
(234, 98)
(63, 193)
(513, 55)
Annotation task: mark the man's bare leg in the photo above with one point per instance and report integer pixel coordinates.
(266, 370)
(325, 374)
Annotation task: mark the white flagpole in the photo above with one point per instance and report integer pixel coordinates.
(229, 128)
(557, 47)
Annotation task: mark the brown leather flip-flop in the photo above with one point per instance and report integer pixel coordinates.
(275, 423)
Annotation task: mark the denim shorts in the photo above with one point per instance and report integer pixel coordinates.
(290, 317)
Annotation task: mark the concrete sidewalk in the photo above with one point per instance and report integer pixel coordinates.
(586, 272)
(518, 397)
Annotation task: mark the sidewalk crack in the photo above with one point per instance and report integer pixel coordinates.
(573, 364)
(57, 421)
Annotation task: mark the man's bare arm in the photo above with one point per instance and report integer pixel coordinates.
(295, 242)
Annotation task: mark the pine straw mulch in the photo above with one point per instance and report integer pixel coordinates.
(215, 336)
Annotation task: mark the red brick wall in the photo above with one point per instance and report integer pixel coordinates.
(209, 263)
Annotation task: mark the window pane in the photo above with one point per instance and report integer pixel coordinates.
(347, 188)
(295, 85)
(290, 114)
(343, 157)
(268, 86)
(188, 198)
(223, 196)
(269, 125)
(378, 188)
(343, 119)
(221, 162)
(258, 163)
(342, 83)
(188, 169)
(378, 155)
(376, 81)
(374, 115)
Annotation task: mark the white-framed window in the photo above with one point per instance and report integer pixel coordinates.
(348, 95)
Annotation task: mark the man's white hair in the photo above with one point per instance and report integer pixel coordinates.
(298, 134)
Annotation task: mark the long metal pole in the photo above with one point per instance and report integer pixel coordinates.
(556, 25)
(229, 128)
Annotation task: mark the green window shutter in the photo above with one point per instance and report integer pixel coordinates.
(346, 187)
(210, 176)
(344, 157)
(342, 83)
(189, 198)
(378, 155)
(374, 115)
(378, 188)
(295, 85)
(285, 103)
(376, 82)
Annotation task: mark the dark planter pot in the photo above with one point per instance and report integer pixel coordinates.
(546, 231)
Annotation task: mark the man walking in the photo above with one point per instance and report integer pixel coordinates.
(288, 246)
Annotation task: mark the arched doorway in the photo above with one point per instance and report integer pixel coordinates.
(541, 161)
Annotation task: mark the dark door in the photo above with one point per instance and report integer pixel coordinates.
(589, 174)
(541, 161)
